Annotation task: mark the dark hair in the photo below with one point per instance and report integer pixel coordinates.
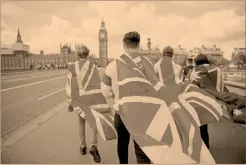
(132, 39)
(190, 60)
(201, 59)
(168, 51)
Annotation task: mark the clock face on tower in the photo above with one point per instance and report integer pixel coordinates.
(102, 35)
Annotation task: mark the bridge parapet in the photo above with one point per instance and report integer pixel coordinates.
(235, 87)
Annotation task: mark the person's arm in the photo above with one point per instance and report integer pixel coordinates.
(156, 66)
(106, 84)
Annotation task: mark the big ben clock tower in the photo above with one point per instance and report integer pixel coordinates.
(103, 45)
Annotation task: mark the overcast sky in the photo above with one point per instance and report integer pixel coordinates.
(43, 25)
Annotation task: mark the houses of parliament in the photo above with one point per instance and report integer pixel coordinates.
(17, 55)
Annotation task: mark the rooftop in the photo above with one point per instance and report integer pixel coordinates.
(7, 51)
(215, 51)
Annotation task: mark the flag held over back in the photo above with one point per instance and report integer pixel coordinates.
(164, 131)
(190, 107)
(87, 99)
(201, 106)
(210, 80)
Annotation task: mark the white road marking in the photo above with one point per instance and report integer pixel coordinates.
(41, 98)
(29, 75)
(18, 79)
(21, 86)
(15, 72)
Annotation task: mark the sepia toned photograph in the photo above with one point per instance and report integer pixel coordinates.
(123, 82)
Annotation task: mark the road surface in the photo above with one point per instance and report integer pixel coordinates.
(56, 141)
(26, 95)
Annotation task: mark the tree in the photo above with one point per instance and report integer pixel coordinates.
(239, 59)
(218, 61)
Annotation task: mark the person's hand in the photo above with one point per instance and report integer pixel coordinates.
(70, 108)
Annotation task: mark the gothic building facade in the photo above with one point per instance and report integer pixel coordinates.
(17, 55)
(155, 54)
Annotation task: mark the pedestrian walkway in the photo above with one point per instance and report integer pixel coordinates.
(56, 141)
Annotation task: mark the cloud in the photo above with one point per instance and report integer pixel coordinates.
(82, 24)
(49, 37)
(3, 24)
(169, 29)
(8, 36)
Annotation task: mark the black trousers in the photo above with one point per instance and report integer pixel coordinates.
(204, 134)
(123, 144)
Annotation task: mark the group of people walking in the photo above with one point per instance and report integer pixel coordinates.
(131, 43)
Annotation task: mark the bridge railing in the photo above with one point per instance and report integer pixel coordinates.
(235, 87)
(235, 80)
(235, 84)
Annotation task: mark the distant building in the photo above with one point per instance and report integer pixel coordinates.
(154, 54)
(180, 55)
(17, 56)
(12, 55)
(41, 52)
(212, 51)
(237, 51)
(65, 49)
(103, 45)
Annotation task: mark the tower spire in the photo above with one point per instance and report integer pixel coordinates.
(18, 40)
(102, 23)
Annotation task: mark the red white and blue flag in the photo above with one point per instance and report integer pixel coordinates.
(210, 80)
(83, 88)
(171, 113)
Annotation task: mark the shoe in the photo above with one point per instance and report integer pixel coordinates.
(95, 154)
(70, 108)
(82, 150)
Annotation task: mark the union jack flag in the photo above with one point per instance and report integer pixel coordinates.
(84, 91)
(168, 127)
(209, 79)
(190, 96)
(216, 77)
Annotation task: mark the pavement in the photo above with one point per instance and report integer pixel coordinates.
(38, 129)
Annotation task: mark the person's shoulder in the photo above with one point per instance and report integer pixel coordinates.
(158, 62)
(176, 65)
(110, 67)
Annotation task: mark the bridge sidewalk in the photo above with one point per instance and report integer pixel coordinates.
(56, 141)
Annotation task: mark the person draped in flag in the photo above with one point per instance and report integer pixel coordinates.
(180, 74)
(187, 72)
(109, 85)
(83, 53)
(175, 108)
(202, 75)
(178, 70)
